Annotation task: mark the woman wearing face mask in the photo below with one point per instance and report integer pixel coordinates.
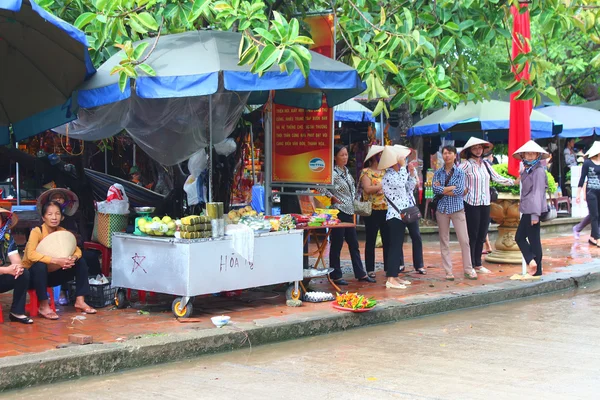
(478, 175)
(50, 271)
(342, 198)
(532, 205)
(398, 183)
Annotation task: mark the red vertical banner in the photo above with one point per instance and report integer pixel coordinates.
(302, 140)
(519, 131)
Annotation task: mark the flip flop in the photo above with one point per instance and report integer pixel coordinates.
(50, 315)
(88, 310)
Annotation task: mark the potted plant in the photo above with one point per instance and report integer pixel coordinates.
(505, 211)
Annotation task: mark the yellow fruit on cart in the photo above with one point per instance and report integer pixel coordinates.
(166, 219)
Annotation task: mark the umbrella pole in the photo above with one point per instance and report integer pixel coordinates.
(18, 180)
(382, 135)
(559, 164)
(106, 161)
(210, 145)
(268, 156)
(134, 151)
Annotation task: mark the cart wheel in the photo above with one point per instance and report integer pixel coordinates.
(185, 312)
(121, 299)
(292, 294)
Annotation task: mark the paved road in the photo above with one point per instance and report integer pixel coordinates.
(543, 348)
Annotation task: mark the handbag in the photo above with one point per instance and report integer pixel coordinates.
(408, 215)
(551, 213)
(361, 208)
(436, 199)
(493, 190)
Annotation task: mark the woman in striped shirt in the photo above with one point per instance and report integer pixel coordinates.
(478, 173)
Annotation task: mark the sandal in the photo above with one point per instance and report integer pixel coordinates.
(372, 274)
(49, 315)
(87, 310)
(24, 320)
(63, 301)
(421, 271)
(449, 277)
(592, 243)
(471, 275)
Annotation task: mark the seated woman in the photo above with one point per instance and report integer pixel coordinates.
(12, 274)
(69, 203)
(50, 271)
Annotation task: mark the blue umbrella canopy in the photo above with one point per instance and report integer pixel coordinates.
(199, 90)
(482, 116)
(576, 121)
(353, 111)
(43, 60)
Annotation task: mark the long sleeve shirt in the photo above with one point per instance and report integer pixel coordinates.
(590, 171)
(477, 181)
(35, 237)
(533, 192)
(570, 157)
(449, 204)
(398, 187)
(344, 190)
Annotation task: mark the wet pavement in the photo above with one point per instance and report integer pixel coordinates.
(112, 325)
(540, 348)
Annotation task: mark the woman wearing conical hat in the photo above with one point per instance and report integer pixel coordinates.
(478, 174)
(532, 205)
(372, 191)
(591, 171)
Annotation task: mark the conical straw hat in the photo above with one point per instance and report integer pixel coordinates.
(58, 244)
(8, 214)
(374, 149)
(530, 146)
(390, 155)
(72, 201)
(594, 150)
(473, 141)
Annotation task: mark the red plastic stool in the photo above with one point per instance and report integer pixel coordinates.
(106, 255)
(32, 306)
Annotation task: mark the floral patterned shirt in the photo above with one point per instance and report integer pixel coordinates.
(7, 246)
(377, 199)
(398, 187)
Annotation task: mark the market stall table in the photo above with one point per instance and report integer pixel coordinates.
(321, 239)
(194, 267)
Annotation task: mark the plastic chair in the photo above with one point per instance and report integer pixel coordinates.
(32, 306)
(106, 255)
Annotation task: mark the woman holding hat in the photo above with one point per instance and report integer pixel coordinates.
(532, 205)
(591, 171)
(12, 274)
(53, 271)
(399, 182)
(372, 191)
(478, 174)
(342, 197)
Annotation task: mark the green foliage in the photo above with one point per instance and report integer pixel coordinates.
(502, 170)
(416, 52)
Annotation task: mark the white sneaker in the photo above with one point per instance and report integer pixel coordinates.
(482, 270)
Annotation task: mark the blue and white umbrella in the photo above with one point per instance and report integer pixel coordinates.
(42, 61)
(486, 116)
(352, 111)
(576, 121)
(198, 94)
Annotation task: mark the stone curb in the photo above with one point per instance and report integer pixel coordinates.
(96, 359)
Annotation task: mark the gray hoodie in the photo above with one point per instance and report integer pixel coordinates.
(533, 192)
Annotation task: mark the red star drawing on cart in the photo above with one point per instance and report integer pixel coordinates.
(137, 263)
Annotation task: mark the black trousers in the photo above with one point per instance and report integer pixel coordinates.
(529, 241)
(337, 242)
(478, 222)
(593, 202)
(19, 287)
(374, 223)
(396, 254)
(40, 278)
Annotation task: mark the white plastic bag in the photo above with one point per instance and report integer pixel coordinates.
(116, 202)
(198, 163)
(226, 147)
(191, 189)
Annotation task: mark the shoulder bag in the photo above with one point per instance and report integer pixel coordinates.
(408, 215)
(551, 213)
(493, 190)
(436, 199)
(361, 208)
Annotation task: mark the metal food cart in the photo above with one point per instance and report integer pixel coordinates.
(194, 267)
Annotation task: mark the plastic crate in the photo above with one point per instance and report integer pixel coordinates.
(100, 295)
